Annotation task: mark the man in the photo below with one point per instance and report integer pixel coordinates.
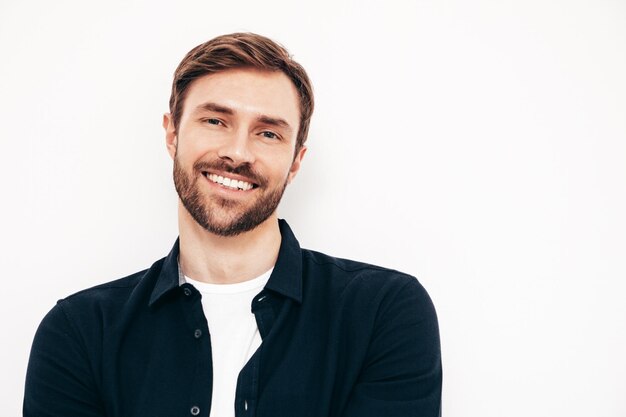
(238, 320)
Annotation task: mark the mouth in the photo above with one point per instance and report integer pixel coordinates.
(228, 182)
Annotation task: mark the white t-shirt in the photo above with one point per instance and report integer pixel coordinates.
(234, 335)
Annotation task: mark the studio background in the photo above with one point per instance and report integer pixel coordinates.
(477, 145)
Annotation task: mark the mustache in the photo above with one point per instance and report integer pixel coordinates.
(244, 169)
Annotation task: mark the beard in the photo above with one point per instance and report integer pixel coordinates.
(222, 216)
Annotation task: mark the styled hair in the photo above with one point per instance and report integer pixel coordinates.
(241, 50)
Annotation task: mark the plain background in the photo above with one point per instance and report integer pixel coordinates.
(479, 145)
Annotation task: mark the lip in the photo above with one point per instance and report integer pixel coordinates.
(226, 190)
(206, 173)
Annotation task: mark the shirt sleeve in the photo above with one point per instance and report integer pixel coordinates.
(402, 373)
(59, 379)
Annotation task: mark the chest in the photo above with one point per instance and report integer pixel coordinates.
(304, 366)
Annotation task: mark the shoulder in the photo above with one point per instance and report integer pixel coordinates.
(353, 272)
(363, 282)
(110, 298)
(103, 290)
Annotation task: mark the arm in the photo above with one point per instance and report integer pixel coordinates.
(59, 380)
(402, 374)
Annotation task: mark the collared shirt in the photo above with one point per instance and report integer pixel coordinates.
(340, 339)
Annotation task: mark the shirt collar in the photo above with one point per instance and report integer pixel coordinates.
(286, 278)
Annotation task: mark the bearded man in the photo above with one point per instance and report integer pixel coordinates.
(238, 320)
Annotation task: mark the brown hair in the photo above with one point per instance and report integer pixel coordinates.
(241, 50)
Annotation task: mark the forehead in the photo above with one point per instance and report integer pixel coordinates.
(248, 92)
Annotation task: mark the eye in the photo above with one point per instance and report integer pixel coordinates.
(215, 122)
(269, 135)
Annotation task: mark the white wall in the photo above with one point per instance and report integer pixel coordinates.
(478, 145)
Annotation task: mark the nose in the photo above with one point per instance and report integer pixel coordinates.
(236, 148)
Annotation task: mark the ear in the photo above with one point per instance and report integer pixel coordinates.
(171, 140)
(295, 166)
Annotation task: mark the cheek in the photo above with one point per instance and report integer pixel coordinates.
(276, 165)
(191, 151)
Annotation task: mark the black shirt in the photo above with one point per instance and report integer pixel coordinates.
(340, 338)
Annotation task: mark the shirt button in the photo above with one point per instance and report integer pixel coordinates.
(197, 334)
(195, 410)
(187, 291)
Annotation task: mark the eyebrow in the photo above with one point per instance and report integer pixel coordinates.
(268, 120)
(217, 108)
(274, 121)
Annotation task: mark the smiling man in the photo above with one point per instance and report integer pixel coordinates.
(238, 320)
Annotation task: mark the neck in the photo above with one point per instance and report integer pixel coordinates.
(215, 259)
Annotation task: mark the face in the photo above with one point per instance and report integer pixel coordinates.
(234, 150)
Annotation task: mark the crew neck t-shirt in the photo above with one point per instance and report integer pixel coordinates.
(234, 335)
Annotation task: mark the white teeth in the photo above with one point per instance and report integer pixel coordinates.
(230, 183)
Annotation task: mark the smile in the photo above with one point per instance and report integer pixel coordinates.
(231, 183)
